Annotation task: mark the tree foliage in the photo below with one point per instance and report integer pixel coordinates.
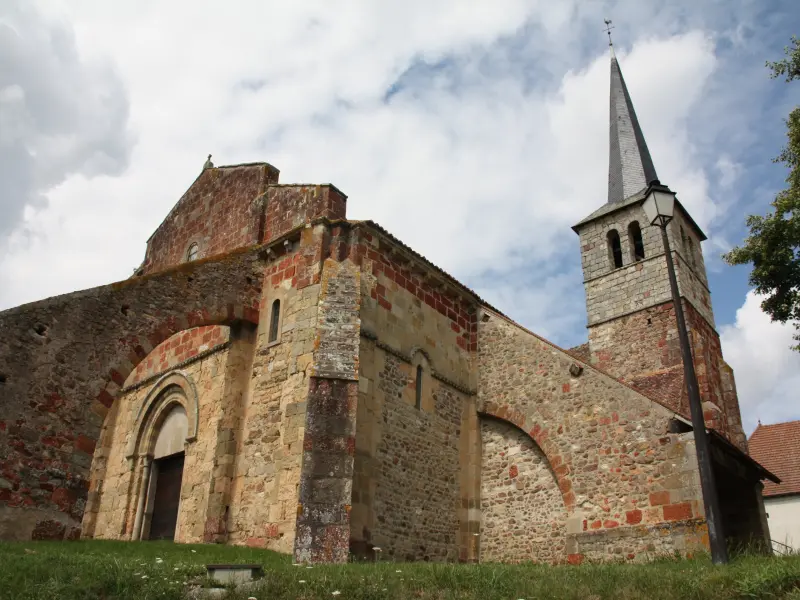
(773, 245)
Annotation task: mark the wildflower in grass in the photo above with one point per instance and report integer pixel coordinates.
(336, 592)
(144, 576)
(195, 551)
(398, 571)
(302, 581)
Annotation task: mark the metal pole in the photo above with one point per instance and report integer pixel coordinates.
(716, 536)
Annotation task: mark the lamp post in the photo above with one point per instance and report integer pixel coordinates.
(659, 206)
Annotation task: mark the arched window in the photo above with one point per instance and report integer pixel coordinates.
(418, 401)
(691, 253)
(422, 372)
(614, 249)
(635, 237)
(273, 321)
(683, 239)
(191, 254)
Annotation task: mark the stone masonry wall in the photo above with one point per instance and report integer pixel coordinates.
(221, 211)
(410, 308)
(269, 452)
(636, 285)
(406, 486)
(120, 493)
(289, 206)
(177, 349)
(609, 447)
(524, 517)
(632, 331)
(411, 496)
(326, 478)
(265, 487)
(63, 361)
(650, 360)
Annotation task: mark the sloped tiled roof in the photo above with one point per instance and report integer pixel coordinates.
(777, 447)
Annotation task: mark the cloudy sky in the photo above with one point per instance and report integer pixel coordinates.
(475, 131)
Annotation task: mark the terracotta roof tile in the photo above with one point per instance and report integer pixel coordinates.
(777, 447)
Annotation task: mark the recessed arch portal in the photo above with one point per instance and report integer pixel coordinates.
(166, 420)
(175, 388)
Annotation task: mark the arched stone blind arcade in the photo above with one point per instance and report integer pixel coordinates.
(614, 249)
(636, 242)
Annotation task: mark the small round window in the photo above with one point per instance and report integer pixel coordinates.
(192, 253)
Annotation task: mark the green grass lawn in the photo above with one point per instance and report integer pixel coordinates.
(150, 570)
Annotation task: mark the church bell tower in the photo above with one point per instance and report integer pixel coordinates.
(631, 321)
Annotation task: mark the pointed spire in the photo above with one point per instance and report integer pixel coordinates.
(630, 167)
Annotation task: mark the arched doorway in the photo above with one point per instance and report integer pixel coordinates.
(167, 474)
(167, 420)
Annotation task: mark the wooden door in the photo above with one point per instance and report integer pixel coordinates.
(167, 497)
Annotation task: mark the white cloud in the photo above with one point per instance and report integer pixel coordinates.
(493, 142)
(60, 115)
(767, 371)
(473, 161)
(728, 171)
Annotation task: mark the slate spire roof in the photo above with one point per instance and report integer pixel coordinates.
(630, 167)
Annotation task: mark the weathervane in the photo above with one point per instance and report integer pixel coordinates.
(608, 29)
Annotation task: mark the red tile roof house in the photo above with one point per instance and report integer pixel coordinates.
(777, 447)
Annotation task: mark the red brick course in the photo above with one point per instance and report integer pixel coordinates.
(677, 512)
(178, 348)
(659, 498)
(373, 251)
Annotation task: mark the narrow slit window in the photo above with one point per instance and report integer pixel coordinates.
(614, 249)
(191, 254)
(419, 387)
(637, 245)
(273, 322)
(691, 253)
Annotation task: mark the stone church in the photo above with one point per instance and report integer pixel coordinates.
(279, 376)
